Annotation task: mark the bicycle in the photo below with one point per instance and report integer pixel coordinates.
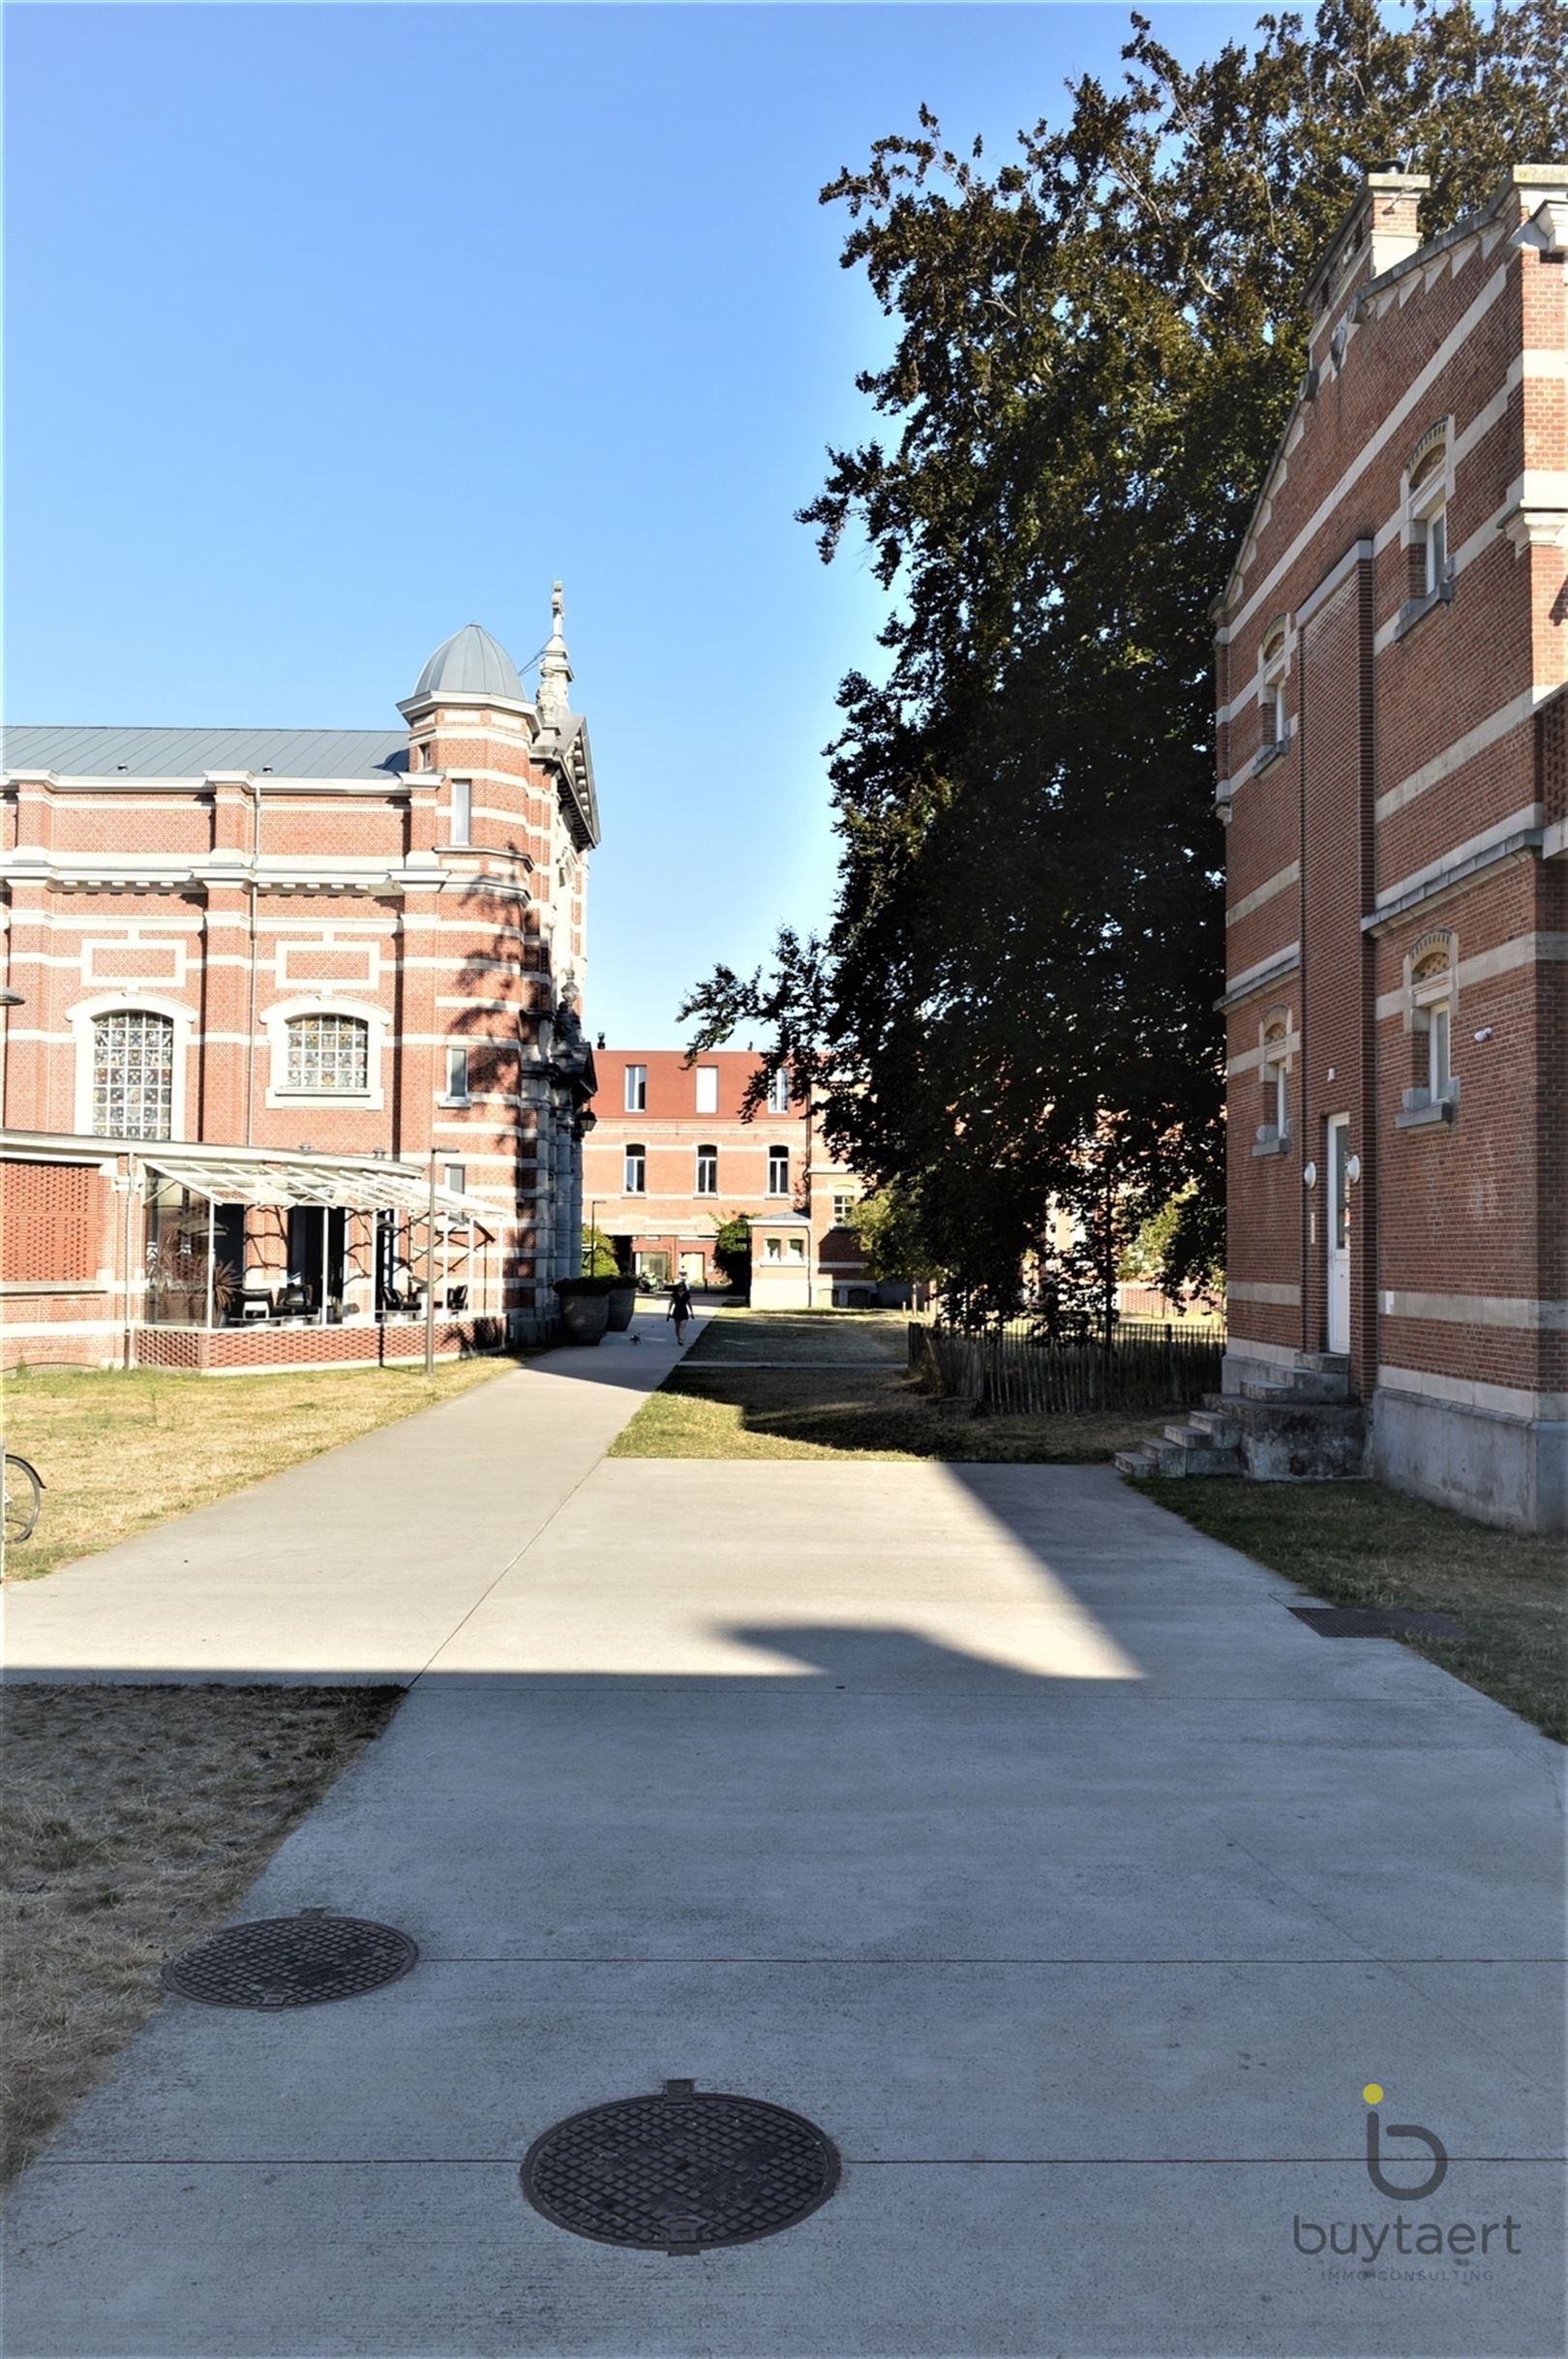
(24, 1498)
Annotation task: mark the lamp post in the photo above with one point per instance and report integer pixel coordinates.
(591, 1254)
(430, 1273)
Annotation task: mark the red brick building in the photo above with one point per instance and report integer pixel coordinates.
(275, 985)
(671, 1156)
(1393, 759)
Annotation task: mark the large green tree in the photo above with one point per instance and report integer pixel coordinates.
(1097, 346)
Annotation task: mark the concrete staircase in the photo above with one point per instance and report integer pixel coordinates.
(1208, 1443)
(1293, 1424)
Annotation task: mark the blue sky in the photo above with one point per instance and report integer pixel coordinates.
(330, 330)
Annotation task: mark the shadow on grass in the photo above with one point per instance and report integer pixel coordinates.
(716, 1411)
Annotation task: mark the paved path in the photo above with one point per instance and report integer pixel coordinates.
(357, 1566)
(999, 1822)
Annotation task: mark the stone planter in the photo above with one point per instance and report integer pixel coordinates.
(584, 1316)
(622, 1301)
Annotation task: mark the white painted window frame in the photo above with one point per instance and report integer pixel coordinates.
(81, 1019)
(706, 1085)
(1431, 1011)
(637, 1186)
(635, 1090)
(276, 1022)
(705, 1153)
(776, 1153)
(1428, 493)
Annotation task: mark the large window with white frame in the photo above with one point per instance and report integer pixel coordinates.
(327, 1056)
(708, 1089)
(133, 1075)
(778, 1172)
(707, 1171)
(636, 1100)
(778, 1093)
(634, 1175)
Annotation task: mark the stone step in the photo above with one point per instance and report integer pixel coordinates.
(1296, 1384)
(1219, 1424)
(1176, 1457)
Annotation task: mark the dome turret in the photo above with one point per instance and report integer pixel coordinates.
(471, 663)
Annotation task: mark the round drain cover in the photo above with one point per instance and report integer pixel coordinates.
(291, 1961)
(680, 2172)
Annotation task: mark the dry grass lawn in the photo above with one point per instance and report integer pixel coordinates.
(797, 1384)
(119, 1451)
(1356, 1544)
(135, 1818)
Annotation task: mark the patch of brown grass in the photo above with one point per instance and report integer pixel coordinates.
(1357, 1544)
(122, 1450)
(133, 1819)
(733, 1410)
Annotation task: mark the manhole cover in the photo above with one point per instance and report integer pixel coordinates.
(1355, 1621)
(291, 1961)
(681, 2170)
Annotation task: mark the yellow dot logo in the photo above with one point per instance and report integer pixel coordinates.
(1372, 2093)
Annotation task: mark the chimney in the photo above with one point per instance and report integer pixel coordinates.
(1393, 201)
(1381, 229)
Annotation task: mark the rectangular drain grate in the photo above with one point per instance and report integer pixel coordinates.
(1357, 1621)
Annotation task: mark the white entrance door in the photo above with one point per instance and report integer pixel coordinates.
(693, 1268)
(1338, 1232)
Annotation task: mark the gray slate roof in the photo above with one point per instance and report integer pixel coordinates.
(185, 753)
(473, 663)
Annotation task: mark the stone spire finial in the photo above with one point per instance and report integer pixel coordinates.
(556, 668)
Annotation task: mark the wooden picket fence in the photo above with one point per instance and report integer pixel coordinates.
(1018, 1369)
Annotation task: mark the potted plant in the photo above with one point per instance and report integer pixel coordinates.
(599, 1262)
(584, 1308)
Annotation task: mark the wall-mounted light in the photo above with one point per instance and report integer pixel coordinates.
(1309, 1175)
(1485, 1033)
(1352, 1168)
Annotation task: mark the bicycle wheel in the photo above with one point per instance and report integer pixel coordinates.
(24, 1496)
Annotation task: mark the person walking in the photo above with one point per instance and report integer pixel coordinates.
(679, 1309)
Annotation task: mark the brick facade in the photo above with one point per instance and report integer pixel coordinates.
(422, 889)
(1391, 728)
(776, 1162)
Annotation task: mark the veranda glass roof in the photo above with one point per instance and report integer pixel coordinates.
(348, 1187)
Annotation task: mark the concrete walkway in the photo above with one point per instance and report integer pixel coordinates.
(992, 1818)
(361, 1564)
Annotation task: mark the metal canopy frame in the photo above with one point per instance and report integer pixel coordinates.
(341, 1187)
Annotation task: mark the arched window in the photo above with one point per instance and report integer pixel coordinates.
(1431, 1014)
(778, 1172)
(707, 1171)
(636, 1173)
(133, 1075)
(1426, 517)
(327, 1055)
(1276, 1070)
(1276, 665)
